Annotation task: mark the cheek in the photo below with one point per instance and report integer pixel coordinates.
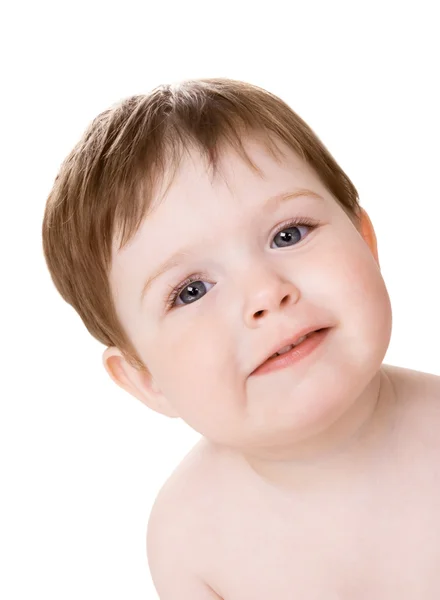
(348, 283)
(349, 271)
(195, 375)
(363, 301)
(193, 350)
(363, 282)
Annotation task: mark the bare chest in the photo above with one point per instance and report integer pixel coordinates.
(378, 538)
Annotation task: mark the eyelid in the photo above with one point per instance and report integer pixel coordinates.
(297, 222)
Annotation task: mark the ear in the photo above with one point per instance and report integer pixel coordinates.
(368, 233)
(139, 384)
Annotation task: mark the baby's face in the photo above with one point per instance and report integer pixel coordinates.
(252, 286)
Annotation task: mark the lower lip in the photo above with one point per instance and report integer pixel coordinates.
(294, 355)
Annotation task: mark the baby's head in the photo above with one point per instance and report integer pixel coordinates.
(196, 228)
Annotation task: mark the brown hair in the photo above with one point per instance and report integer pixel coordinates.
(106, 185)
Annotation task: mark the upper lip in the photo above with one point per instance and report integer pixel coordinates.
(291, 339)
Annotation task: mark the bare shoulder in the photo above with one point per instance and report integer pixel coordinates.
(180, 498)
(185, 487)
(419, 400)
(176, 530)
(414, 386)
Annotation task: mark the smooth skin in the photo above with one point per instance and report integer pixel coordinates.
(319, 480)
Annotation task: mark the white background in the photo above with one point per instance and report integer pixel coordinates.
(81, 460)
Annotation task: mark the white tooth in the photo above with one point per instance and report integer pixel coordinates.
(285, 349)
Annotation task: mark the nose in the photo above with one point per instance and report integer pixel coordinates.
(268, 294)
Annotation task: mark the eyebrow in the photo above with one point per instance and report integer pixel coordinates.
(175, 259)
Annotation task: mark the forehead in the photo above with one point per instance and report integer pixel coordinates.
(194, 187)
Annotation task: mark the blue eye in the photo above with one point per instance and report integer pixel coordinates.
(194, 284)
(286, 235)
(191, 288)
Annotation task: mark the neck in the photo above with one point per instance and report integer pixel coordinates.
(351, 439)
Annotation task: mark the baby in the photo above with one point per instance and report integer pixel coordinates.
(208, 238)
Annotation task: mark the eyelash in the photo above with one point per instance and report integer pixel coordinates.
(170, 299)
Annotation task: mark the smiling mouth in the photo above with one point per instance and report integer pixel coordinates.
(292, 354)
(291, 346)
